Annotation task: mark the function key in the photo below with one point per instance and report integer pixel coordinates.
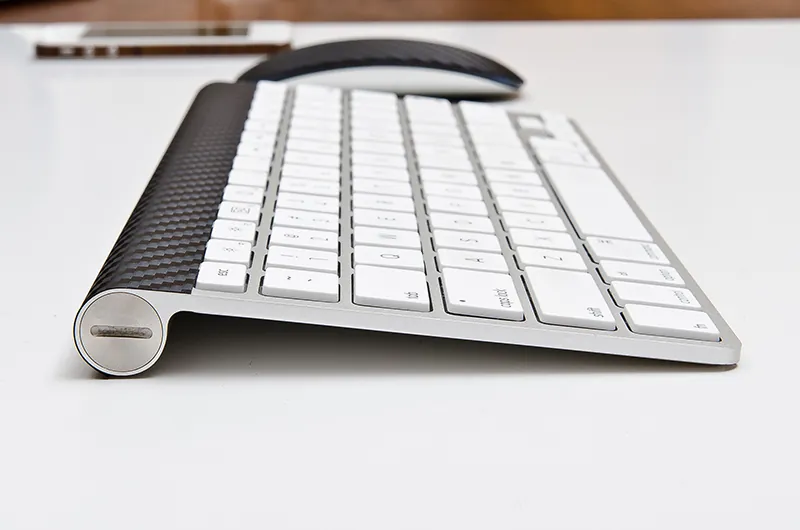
(225, 250)
(235, 230)
(298, 237)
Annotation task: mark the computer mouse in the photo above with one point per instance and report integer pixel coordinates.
(391, 65)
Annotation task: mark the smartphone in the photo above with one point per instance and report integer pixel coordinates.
(109, 40)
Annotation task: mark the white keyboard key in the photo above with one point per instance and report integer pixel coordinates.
(266, 113)
(252, 163)
(363, 171)
(455, 191)
(257, 150)
(481, 294)
(519, 191)
(558, 259)
(506, 162)
(311, 159)
(562, 156)
(641, 293)
(595, 204)
(383, 202)
(235, 230)
(616, 249)
(441, 151)
(239, 211)
(382, 187)
(522, 237)
(431, 139)
(530, 123)
(225, 277)
(377, 136)
(246, 177)
(373, 159)
(243, 194)
(496, 176)
(304, 219)
(300, 284)
(469, 259)
(390, 288)
(494, 136)
(372, 96)
(267, 126)
(538, 142)
(450, 131)
(302, 122)
(317, 112)
(359, 111)
(320, 135)
(462, 206)
(227, 251)
(302, 258)
(534, 221)
(311, 172)
(423, 116)
(313, 146)
(399, 258)
(502, 152)
(441, 162)
(512, 204)
(298, 237)
(568, 298)
(466, 241)
(381, 148)
(384, 219)
(312, 187)
(482, 112)
(638, 272)
(373, 124)
(311, 203)
(319, 92)
(386, 237)
(447, 176)
(258, 138)
(469, 223)
(669, 322)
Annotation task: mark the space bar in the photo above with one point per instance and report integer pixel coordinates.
(594, 204)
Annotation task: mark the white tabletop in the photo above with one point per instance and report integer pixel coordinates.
(254, 425)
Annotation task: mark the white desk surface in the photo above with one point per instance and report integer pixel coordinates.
(257, 425)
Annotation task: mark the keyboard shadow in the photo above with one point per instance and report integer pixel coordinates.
(199, 344)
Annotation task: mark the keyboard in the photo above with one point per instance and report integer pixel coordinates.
(411, 215)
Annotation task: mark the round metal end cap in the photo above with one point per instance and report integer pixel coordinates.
(120, 333)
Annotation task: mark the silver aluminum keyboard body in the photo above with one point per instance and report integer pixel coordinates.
(152, 309)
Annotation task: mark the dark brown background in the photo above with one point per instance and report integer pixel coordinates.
(342, 10)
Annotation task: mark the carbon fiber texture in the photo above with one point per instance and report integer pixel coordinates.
(163, 242)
